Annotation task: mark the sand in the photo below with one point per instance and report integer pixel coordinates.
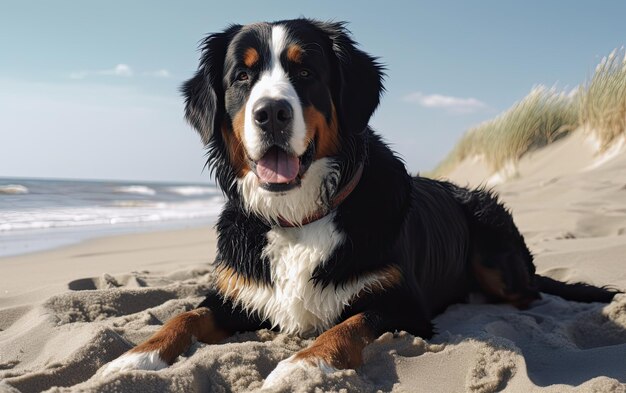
(67, 312)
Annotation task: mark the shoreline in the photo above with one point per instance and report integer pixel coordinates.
(52, 271)
(24, 242)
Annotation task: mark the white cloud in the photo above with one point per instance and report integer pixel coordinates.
(119, 70)
(451, 104)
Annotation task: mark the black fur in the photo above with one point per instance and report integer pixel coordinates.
(433, 231)
(232, 317)
(241, 238)
(579, 292)
(356, 85)
(204, 105)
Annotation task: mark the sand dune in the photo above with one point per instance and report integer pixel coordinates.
(65, 313)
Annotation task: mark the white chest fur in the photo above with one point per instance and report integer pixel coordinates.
(294, 302)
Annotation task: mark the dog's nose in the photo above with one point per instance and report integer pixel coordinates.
(272, 115)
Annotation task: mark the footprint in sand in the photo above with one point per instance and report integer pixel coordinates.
(106, 281)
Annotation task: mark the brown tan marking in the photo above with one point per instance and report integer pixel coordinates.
(250, 57)
(294, 53)
(391, 276)
(176, 335)
(341, 346)
(388, 277)
(233, 137)
(325, 134)
(490, 280)
(230, 283)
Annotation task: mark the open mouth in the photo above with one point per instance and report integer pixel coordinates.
(279, 170)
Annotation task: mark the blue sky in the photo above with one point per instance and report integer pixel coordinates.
(90, 89)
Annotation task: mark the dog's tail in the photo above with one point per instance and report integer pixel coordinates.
(578, 292)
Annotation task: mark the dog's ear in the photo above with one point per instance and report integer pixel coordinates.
(204, 93)
(360, 79)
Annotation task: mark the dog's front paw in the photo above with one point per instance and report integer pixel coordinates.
(292, 366)
(135, 361)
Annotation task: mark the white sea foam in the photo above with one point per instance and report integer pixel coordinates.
(64, 217)
(140, 190)
(140, 203)
(13, 189)
(192, 190)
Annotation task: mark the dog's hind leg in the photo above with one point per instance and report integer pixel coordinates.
(504, 277)
(500, 261)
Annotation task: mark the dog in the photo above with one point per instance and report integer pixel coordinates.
(324, 232)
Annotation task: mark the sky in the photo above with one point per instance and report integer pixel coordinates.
(90, 89)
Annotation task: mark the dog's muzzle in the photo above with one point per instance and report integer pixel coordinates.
(274, 117)
(279, 170)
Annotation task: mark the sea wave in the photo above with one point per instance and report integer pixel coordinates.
(140, 203)
(108, 215)
(140, 190)
(192, 190)
(11, 189)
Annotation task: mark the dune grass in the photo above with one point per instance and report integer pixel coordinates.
(538, 119)
(545, 115)
(603, 104)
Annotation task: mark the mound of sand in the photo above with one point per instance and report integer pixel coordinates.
(59, 329)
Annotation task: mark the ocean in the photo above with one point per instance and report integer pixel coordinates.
(38, 214)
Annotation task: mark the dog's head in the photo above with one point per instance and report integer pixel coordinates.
(283, 109)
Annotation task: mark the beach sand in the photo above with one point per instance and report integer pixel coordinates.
(67, 312)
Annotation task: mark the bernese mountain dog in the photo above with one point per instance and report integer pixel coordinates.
(324, 232)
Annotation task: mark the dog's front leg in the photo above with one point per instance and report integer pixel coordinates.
(171, 340)
(340, 347)
(215, 319)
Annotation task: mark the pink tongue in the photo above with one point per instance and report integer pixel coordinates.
(276, 166)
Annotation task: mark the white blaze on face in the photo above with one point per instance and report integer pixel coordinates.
(321, 177)
(274, 83)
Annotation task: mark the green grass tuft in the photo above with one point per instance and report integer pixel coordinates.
(603, 104)
(538, 119)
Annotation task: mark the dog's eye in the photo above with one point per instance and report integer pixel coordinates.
(304, 73)
(242, 76)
